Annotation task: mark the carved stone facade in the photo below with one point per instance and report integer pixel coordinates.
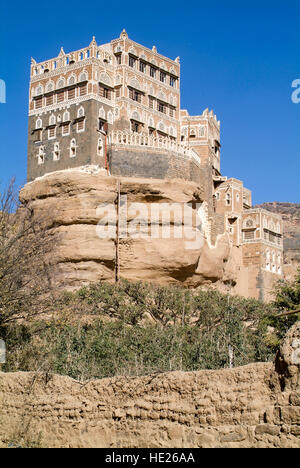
(116, 107)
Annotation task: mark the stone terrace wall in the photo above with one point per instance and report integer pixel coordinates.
(252, 406)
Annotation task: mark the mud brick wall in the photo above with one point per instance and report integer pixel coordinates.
(252, 406)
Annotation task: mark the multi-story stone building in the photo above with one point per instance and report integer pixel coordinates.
(116, 107)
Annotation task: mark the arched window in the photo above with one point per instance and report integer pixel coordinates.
(110, 117)
(202, 131)
(39, 90)
(228, 199)
(151, 122)
(136, 116)
(83, 77)
(66, 116)
(161, 126)
(52, 128)
(80, 112)
(249, 223)
(134, 83)
(38, 124)
(273, 256)
(101, 113)
(271, 226)
(65, 126)
(72, 80)
(60, 83)
(52, 120)
(56, 152)
(73, 148)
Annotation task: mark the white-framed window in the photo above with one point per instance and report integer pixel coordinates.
(80, 126)
(80, 112)
(49, 87)
(83, 76)
(38, 123)
(71, 80)
(71, 93)
(66, 116)
(56, 152)
(60, 83)
(52, 119)
(82, 89)
(39, 90)
(38, 103)
(110, 117)
(73, 148)
(249, 235)
(228, 199)
(173, 82)
(51, 133)
(65, 128)
(102, 113)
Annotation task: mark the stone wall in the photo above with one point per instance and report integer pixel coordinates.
(153, 163)
(252, 406)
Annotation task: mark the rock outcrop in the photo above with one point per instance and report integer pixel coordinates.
(253, 406)
(74, 203)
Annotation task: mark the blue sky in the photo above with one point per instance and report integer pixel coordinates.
(238, 58)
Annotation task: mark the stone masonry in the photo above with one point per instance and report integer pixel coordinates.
(256, 406)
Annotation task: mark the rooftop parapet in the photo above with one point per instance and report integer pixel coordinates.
(120, 138)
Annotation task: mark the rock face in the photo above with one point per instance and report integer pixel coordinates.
(252, 406)
(75, 202)
(290, 213)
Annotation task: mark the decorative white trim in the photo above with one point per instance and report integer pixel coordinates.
(73, 146)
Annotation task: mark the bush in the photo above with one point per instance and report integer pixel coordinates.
(139, 328)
